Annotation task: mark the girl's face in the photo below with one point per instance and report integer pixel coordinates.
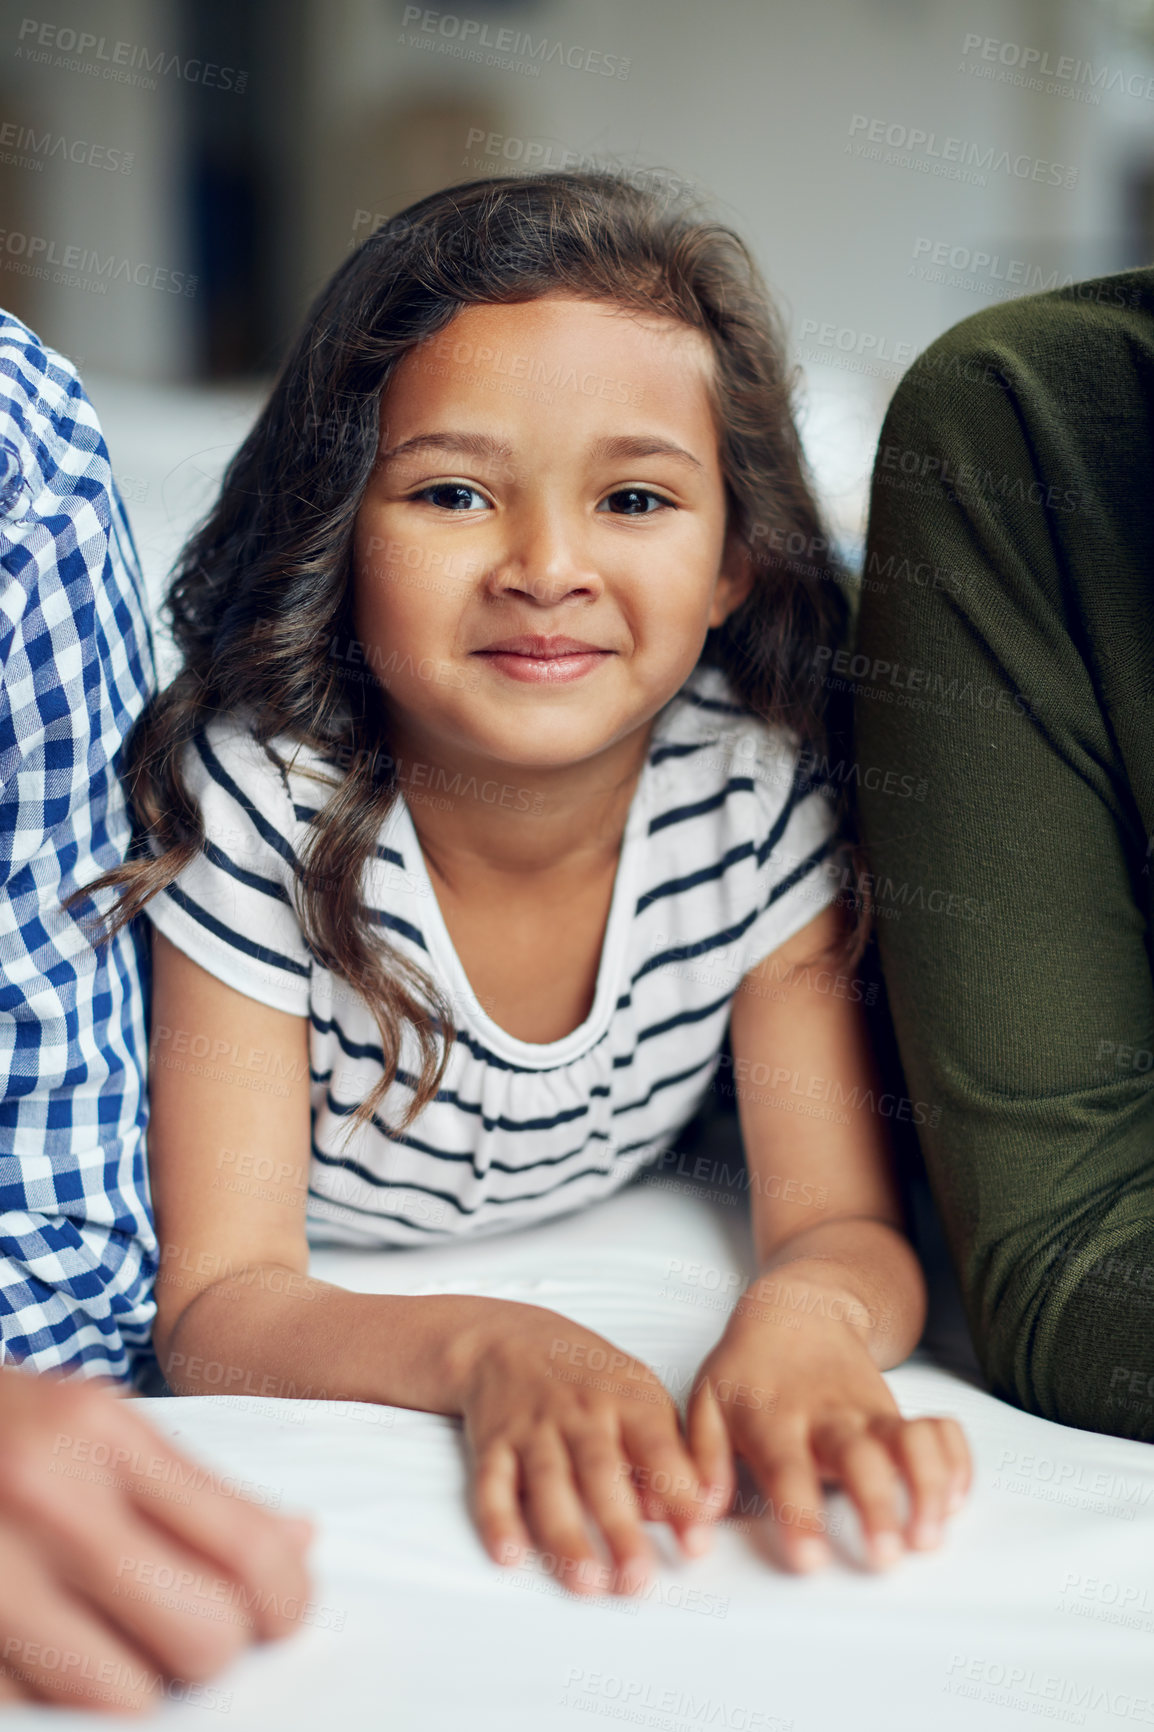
(543, 545)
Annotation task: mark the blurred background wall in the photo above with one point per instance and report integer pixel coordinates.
(179, 177)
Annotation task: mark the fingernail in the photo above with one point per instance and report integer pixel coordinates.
(956, 1499)
(810, 1554)
(634, 1575)
(886, 1548)
(926, 1535)
(696, 1540)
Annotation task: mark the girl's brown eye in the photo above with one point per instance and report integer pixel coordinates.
(635, 502)
(450, 496)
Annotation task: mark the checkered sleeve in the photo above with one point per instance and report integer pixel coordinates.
(77, 1249)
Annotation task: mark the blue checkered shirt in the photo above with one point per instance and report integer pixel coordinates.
(77, 1249)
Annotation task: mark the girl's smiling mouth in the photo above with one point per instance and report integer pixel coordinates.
(549, 660)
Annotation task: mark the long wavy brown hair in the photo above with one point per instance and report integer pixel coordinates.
(265, 585)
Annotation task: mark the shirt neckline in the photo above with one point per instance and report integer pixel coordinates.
(546, 1055)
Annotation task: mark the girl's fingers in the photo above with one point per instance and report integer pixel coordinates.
(787, 1477)
(496, 1504)
(668, 1476)
(605, 1483)
(710, 1447)
(554, 1512)
(869, 1477)
(917, 1447)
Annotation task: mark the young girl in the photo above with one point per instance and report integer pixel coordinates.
(479, 810)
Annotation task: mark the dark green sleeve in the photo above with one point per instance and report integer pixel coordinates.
(1004, 713)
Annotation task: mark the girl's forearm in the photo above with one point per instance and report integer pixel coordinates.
(271, 1331)
(860, 1272)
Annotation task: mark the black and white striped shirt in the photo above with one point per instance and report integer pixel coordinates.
(721, 862)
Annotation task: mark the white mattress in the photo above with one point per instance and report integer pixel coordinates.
(1041, 1603)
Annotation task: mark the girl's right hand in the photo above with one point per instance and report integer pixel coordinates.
(567, 1431)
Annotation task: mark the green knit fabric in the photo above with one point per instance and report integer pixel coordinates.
(1004, 667)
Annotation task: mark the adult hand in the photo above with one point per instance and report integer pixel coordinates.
(95, 1511)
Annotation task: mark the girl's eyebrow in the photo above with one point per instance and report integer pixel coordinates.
(483, 445)
(463, 444)
(643, 445)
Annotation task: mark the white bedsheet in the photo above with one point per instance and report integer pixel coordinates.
(1041, 1604)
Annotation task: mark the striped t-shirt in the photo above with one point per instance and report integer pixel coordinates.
(721, 861)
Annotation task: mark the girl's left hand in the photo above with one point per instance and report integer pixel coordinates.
(798, 1397)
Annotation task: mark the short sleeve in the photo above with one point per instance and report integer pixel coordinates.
(796, 838)
(231, 909)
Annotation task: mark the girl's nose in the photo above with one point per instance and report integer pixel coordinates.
(546, 559)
